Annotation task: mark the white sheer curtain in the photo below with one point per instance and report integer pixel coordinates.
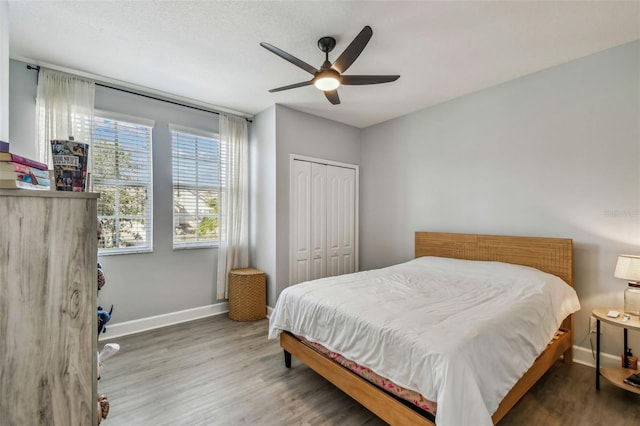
(64, 107)
(234, 200)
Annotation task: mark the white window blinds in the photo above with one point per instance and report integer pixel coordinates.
(196, 187)
(122, 174)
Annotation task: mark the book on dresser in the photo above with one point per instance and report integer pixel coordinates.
(37, 178)
(18, 172)
(21, 184)
(10, 166)
(70, 159)
(4, 146)
(20, 176)
(14, 158)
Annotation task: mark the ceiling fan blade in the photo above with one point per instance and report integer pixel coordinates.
(291, 86)
(354, 50)
(287, 57)
(356, 80)
(333, 97)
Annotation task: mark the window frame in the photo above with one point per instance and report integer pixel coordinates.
(173, 130)
(148, 214)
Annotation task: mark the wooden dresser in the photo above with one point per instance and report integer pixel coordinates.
(48, 302)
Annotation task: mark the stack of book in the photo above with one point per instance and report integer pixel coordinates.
(17, 172)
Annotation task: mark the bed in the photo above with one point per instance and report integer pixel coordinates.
(456, 376)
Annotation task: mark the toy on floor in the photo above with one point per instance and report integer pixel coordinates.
(103, 318)
(103, 407)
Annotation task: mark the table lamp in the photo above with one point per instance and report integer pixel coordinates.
(628, 268)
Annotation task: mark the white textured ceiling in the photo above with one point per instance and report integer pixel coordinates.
(209, 50)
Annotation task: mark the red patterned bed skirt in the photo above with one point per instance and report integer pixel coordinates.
(408, 395)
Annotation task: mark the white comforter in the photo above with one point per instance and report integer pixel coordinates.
(459, 332)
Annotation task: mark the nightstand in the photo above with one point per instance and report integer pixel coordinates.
(615, 375)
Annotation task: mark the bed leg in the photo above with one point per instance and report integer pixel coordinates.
(287, 359)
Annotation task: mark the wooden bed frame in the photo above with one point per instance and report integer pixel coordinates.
(552, 255)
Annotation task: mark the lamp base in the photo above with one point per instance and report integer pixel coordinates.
(632, 299)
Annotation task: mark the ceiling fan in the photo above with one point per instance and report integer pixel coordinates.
(329, 77)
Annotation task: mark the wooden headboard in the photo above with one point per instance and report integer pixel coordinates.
(552, 255)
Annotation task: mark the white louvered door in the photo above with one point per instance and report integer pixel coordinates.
(323, 220)
(340, 220)
(300, 241)
(318, 221)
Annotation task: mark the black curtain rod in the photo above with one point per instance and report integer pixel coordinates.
(37, 68)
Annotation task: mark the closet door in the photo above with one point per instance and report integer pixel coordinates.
(318, 221)
(322, 220)
(300, 267)
(340, 216)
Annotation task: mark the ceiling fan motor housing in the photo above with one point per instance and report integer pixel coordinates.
(326, 44)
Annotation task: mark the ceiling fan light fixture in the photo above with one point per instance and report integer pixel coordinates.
(327, 80)
(330, 76)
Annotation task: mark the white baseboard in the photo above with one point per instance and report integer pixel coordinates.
(164, 320)
(586, 357)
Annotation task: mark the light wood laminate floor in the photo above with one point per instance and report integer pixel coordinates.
(216, 371)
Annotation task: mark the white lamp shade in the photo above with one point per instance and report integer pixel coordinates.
(628, 267)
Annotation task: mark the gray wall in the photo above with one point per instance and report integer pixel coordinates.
(303, 134)
(22, 112)
(138, 285)
(555, 154)
(279, 132)
(4, 70)
(262, 207)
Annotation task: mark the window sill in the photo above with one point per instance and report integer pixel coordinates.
(195, 246)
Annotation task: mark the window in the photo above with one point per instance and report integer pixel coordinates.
(122, 174)
(196, 187)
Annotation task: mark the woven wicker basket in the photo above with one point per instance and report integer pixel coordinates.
(247, 294)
